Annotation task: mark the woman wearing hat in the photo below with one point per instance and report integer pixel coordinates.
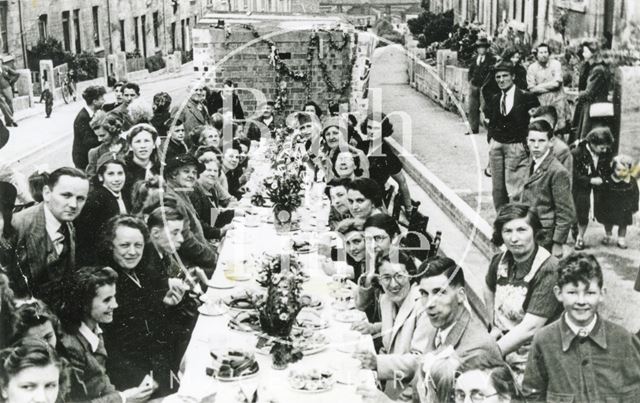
(105, 200)
(594, 84)
(335, 139)
(108, 129)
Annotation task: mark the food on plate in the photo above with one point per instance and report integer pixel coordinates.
(309, 319)
(349, 316)
(311, 380)
(245, 322)
(305, 340)
(235, 364)
(243, 301)
(307, 300)
(301, 246)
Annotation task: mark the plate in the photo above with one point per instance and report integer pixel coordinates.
(311, 344)
(311, 381)
(213, 310)
(246, 321)
(244, 304)
(241, 377)
(236, 358)
(308, 301)
(349, 316)
(233, 276)
(221, 284)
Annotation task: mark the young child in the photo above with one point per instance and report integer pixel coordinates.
(617, 200)
(582, 357)
(47, 97)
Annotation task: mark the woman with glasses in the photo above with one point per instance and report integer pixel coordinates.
(519, 294)
(403, 328)
(33, 319)
(484, 379)
(32, 372)
(90, 302)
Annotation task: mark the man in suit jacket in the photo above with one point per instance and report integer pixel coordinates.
(547, 189)
(8, 77)
(84, 138)
(117, 89)
(442, 290)
(217, 100)
(479, 74)
(194, 113)
(559, 148)
(46, 244)
(508, 115)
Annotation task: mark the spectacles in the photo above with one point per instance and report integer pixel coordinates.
(475, 396)
(398, 277)
(378, 238)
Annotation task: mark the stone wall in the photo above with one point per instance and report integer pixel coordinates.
(630, 110)
(250, 67)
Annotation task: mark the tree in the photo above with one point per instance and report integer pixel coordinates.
(430, 27)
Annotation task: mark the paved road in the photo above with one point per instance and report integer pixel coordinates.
(436, 139)
(39, 141)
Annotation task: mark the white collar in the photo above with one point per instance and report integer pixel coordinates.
(89, 110)
(117, 196)
(443, 333)
(52, 224)
(538, 161)
(511, 91)
(91, 336)
(576, 329)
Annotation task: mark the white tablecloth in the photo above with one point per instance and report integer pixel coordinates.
(212, 332)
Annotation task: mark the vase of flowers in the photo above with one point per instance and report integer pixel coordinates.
(283, 277)
(283, 189)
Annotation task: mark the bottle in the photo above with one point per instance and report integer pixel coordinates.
(435, 245)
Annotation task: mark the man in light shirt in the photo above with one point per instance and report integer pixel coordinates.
(544, 78)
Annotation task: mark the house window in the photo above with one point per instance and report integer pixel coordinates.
(183, 34)
(66, 31)
(143, 28)
(156, 25)
(136, 33)
(173, 36)
(42, 26)
(76, 25)
(4, 39)
(123, 42)
(96, 27)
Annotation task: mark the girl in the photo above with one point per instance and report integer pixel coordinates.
(617, 200)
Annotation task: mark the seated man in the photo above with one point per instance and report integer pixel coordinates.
(264, 125)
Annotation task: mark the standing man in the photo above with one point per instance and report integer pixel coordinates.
(194, 113)
(547, 188)
(117, 90)
(46, 244)
(130, 91)
(266, 120)
(508, 116)
(8, 77)
(84, 139)
(225, 99)
(544, 78)
(479, 74)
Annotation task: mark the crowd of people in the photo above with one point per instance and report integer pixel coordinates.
(103, 263)
(540, 155)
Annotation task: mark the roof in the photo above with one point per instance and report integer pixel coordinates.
(369, 2)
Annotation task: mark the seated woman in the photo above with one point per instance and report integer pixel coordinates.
(132, 338)
(90, 301)
(105, 200)
(383, 162)
(33, 319)
(221, 189)
(108, 129)
(353, 253)
(365, 198)
(403, 328)
(31, 371)
(346, 164)
(335, 139)
(204, 136)
(336, 191)
(142, 160)
(483, 378)
(519, 294)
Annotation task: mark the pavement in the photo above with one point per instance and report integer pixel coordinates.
(435, 137)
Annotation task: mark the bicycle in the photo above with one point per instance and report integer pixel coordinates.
(68, 89)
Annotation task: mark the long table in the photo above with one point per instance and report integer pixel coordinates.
(245, 245)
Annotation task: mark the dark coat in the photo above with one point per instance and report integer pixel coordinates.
(96, 152)
(214, 103)
(597, 84)
(513, 127)
(158, 121)
(8, 77)
(84, 139)
(101, 205)
(254, 132)
(88, 374)
(37, 256)
(548, 190)
(583, 169)
(122, 113)
(479, 75)
(171, 148)
(135, 173)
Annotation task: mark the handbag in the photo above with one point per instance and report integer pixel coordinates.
(601, 110)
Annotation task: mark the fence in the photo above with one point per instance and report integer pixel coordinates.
(135, 64)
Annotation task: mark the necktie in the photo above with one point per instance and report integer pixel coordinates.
(62, 243)
(439, 339)
(503, 103)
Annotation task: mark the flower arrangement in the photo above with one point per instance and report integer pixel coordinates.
(283, 276)
(284, 187)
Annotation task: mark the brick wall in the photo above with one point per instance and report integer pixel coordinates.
(249, 67)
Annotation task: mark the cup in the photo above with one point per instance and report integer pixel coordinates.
(347, 371)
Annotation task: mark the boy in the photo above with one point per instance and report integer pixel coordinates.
(582, 357)
(174, 144)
